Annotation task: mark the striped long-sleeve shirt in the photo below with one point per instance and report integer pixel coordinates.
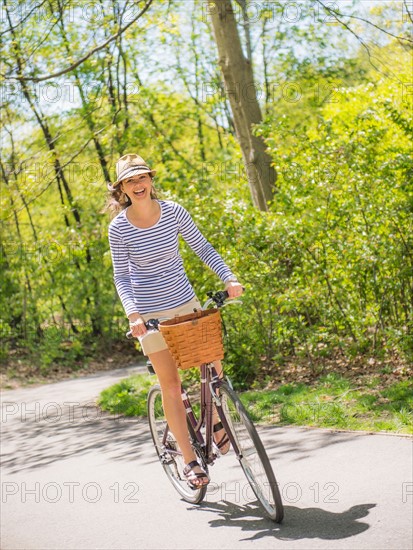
(148, 269)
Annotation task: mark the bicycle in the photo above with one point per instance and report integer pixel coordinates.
(243, 436)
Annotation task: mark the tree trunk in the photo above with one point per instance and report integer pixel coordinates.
(240, 88)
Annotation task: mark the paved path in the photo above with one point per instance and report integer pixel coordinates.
(74, 478)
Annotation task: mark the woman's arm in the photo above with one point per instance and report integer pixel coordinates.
(123, 284)
(200, 245)
(120, 261)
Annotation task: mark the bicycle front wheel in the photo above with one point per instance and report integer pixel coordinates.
(168, 451)
(252, 456)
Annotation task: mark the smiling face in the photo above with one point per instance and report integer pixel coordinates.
(138, 188)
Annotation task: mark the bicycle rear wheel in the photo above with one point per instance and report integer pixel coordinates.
(168, 451)
(253, 457)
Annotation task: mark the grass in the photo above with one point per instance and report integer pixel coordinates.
(335, 402)
(127, 397)
(331, 402)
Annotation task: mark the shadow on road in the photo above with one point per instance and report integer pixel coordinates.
(299, 523)
(38, 435)
(42, 440)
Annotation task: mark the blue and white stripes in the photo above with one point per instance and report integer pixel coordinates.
(148, 269)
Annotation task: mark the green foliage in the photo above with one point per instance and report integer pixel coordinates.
(343, 218)
(332, 402)
(127, 397)
(329, 266)
(335, 402)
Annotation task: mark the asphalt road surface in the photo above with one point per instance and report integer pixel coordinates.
(76, 478)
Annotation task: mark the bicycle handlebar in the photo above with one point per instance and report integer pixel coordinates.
(217, 297)
(151, 324)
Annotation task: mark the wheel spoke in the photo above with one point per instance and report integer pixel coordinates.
(167, 448)
(253, 458)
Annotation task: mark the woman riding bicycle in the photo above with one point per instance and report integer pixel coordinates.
(151, 282)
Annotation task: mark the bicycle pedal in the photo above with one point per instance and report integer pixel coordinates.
(167, 462)
(150, 368)
(166, 459)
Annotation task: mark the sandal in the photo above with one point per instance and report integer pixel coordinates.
(192, 476)
(223, 444)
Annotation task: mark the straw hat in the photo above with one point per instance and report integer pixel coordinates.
(131, 165)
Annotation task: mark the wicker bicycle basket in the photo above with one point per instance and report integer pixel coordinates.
(194, 338)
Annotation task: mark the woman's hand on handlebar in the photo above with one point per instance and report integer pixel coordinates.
(234, 289)
(137, 325)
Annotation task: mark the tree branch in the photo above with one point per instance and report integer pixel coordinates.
(35, 8)
(335, 14)
(84, 58)
(49, 183)
(408, 12)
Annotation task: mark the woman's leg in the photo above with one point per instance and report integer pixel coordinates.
(165, 368)
(218, 368)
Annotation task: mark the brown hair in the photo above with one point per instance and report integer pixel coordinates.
(118, 200)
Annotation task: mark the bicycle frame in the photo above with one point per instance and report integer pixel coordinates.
(210, 383)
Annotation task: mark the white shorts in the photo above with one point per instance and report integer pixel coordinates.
(153, 341)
